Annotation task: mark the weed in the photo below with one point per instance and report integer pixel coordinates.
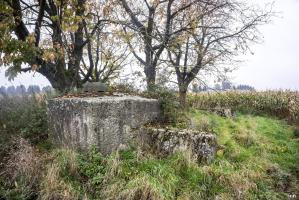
(92, 166)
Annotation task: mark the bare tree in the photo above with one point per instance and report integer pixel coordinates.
(222, 30)
(104, 56)
(148, 26)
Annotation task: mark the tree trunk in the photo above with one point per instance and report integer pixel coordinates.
(150, 73)
(183, 95)
(59, 82)
(57, 76)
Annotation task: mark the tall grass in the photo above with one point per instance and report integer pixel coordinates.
(282, 104)
(23, 122)
(21, 170)
(23, 115)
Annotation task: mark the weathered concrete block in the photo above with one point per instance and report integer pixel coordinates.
(162, 142)
(105, 122)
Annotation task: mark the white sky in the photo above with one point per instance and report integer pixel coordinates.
(274, 65)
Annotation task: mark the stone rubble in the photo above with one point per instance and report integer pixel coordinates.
(160, 141)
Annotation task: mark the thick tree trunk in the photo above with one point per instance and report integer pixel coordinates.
(150, 73)
(183, 94)
(62, 77)
(61, 84)
(78, 49)
(182, 97)
(57, 76)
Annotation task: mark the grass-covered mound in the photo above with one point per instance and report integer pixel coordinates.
(257, 159)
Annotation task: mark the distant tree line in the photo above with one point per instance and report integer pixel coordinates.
(245, 87)
(223, 86)
(21, 89)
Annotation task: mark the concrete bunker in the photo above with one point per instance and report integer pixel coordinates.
(104, 122)
(108, 122)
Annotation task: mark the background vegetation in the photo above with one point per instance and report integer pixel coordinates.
(281, 104)
(257, 158)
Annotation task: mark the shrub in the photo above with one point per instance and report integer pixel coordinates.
(296, 133)
(172, 113)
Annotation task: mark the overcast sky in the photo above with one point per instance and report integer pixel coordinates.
(274, 65)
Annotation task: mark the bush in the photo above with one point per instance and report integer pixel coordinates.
(172, 113)
(281, 104)
(296, 133)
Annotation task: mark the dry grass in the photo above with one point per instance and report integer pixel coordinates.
(245, 138)
(23, 168)
(54, 188)
(30, 174)
(54, 184)
(23, 160)
(142, 188)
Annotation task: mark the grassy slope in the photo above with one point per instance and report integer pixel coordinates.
(258, 156)
(256, 160)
